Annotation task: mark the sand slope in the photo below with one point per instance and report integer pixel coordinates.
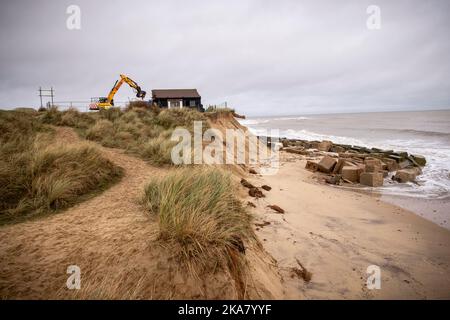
(115, 244)
(337, 234)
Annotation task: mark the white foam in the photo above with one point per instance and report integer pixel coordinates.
(290, 118)
(246, 122)
(434, 182)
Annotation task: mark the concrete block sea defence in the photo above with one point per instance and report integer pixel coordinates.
(339, 165)
(337, 149)
(371, 179)
(350, 173)
(421, 161)
(327, 164)
(391, 164)
(372, 168)
(404, 164)
(406, 175)
(373, 165)
(295, 150)
(311, 166)
(325, 145)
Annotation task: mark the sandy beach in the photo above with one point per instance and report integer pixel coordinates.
(337, 233)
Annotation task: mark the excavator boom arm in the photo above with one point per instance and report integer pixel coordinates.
(139, 92)
(108, 102)
(114, 89)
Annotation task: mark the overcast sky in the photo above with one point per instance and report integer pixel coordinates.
(262, 57)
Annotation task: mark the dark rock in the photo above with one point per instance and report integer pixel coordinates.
(266, 187)
(247, 184)
(252, 171)
(255, 193)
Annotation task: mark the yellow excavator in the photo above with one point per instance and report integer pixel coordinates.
(108, 102)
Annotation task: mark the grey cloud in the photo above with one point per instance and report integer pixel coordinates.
(263, 57)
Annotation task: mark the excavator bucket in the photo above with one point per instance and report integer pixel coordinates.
(141, 94)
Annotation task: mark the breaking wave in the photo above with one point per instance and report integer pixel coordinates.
(246, 122)
(434, 183)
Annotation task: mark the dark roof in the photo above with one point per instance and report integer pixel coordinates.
(175, 93)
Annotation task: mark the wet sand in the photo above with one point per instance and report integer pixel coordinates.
(435, 210)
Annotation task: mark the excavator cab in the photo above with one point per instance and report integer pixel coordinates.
(100, 102)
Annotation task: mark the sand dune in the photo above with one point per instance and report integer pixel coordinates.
(115, 245)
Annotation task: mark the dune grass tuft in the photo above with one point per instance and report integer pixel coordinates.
(198, 211)
(38, 175)
(140, 130)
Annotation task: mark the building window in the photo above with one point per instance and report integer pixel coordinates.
(191, 103)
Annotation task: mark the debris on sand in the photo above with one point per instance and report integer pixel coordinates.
(275, 208)
(266, 187)
(247, 184)
(301, 272)
(252, 171)
(334, 179)
(265, 223)
(255, 193)
(251, 204)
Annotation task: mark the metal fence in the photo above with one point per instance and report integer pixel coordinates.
(83, 105)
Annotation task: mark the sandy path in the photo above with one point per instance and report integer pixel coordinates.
(98, 235)
(337, 234)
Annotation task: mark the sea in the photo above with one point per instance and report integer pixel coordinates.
(418, 132)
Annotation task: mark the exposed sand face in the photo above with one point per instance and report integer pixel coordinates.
(114, 242)
(336, 234)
